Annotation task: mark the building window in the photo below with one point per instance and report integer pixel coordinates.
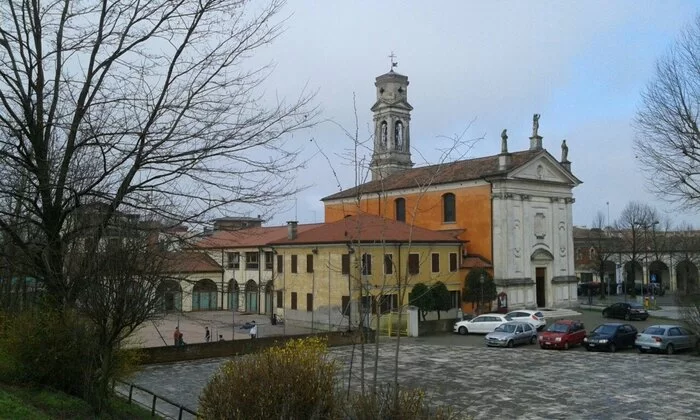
(268, 260)
(579, 254)
(309, 302)
(389, 303)
(455, 298)
(448, 208)
(280, 299)
(345, 264)
(366, 264)
(294, 264)
(435, 260)
(388, 264)
(400, 209)
(251, 260)
(280, 263)
(309, 263)
(453, 262)
(294, 300)
(345, 302)
(233, 259)
(591, 254)
(413, 263)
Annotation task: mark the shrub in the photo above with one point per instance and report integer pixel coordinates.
(387, 403)
(44, 347)
(294, 381)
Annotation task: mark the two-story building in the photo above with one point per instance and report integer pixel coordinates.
(355, 268)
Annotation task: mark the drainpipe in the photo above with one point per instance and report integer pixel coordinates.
(260, 253)
(223, 274)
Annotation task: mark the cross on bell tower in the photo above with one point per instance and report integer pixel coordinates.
(392, 116)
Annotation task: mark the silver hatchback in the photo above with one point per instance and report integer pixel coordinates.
(665, 338)
(511, 333)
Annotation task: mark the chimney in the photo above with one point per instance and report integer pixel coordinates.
(504, 160)
(292, 230)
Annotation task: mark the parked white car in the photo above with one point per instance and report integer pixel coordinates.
(482, 324)
(534, 318)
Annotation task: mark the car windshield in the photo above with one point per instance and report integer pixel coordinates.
(605, 330)
(637, 306)
(654, 331)
(509, 328)
(561, 328)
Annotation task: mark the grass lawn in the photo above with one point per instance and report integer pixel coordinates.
(19, 403)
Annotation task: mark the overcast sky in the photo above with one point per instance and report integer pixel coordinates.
(581, 65)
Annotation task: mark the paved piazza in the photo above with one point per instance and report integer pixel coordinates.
(504, 383)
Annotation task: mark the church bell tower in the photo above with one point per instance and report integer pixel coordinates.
(392, 117)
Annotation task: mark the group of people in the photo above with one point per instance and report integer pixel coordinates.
(178, 336)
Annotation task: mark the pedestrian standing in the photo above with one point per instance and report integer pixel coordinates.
(253, 331)
(176, 336)
(207, 334)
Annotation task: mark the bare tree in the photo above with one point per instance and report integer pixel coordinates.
(632, 227)
(148, 107)
(668, 141)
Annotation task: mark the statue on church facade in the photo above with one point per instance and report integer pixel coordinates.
(535, 124)
(398, 135)
(384, 133)
(564, 151)
(504, 141)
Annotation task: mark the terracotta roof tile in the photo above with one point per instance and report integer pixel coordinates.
(475, 261)
(461, 170)
(369, 228)
(192, 262)
(249, 237)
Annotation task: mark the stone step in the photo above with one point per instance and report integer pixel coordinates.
(559, 313)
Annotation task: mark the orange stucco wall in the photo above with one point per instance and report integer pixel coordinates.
(473, 205)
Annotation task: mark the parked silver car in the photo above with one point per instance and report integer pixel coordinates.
(665, 338)
(511, 333)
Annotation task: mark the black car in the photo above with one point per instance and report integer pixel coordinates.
(626, 311)
(611, 337)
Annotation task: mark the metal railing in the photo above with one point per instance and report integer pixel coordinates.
(152, 401)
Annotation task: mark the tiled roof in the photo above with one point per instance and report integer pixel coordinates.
(249, 237)
(461, 170)
(368, 228)
(192, 262)
(475, 261)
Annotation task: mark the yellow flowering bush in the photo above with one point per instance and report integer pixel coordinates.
(293, 381)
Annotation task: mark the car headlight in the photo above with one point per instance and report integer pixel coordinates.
(558, 339)
(603, 341)
(585, 339)
(540, 338)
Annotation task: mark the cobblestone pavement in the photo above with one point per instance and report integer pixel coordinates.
(504, 383)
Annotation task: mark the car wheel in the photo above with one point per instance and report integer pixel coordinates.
(613, 348)
(588, 348)
(605, 314)
(510, 344)
(566, 346)
(670, 349)
(627, 317)
(463, 330)
(541, 346)
(533, 339)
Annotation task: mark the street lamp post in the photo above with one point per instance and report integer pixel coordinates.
(481, 301)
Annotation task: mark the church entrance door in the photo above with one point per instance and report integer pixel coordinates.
(540, 273)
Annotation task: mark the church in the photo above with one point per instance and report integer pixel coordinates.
(512, 210)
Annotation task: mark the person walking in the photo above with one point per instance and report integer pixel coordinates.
(207, 334)
(176, 336)
(254, 330)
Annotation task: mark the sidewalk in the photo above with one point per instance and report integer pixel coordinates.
(160, 332)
